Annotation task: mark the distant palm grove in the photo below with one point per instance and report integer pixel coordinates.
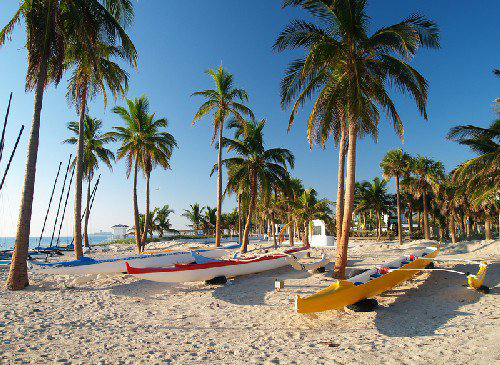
(347, 73)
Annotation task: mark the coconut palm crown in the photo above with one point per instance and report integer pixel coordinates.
(222, 102)
(348, 72)
(396, 164)
(262, 167)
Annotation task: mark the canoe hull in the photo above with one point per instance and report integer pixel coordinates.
(229, 271)
(344, 292)
(117, 265)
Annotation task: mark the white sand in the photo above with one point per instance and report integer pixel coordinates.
(121, 320)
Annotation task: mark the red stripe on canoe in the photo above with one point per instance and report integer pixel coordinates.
(208, 265)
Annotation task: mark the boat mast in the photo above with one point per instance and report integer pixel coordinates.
(64, 209)
(92, 196)
(11, 157)
(50, 202)
(60, 199)
(2, 140)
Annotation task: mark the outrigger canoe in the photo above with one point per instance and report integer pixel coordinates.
(87, 265)
(367, 284)
(209, 270)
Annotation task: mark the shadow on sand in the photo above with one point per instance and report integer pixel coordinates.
(252, 289)
(422, 310)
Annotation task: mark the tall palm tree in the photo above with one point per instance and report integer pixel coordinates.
(395, 164)
(144, 145)
(254, 163)
(195, 215)
(350, 72)
(49, 26)
(92, 71)
(94, 150)
(429, 174)
(222, 101)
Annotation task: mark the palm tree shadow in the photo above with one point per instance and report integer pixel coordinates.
(422, 310)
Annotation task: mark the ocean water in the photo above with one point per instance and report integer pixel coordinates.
(7, 243)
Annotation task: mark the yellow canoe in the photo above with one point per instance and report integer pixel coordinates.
(367, 284)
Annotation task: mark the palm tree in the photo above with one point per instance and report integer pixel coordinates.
(349, 70)
(194, 215)
(447, 199)
(144, 146)
(295, 188)
(49, 27)
(93, 151)
(396, 164)
(221, 101)
(93, 70)
(429, 174)
(373, 197)
(254, 163)
(240, 188)
(307, 207)
(209, 219)
(161, 221)
(480, 176)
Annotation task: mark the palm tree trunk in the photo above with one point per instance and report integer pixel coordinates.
(79, 180)
(419, 228)
(487, 225)
(291, 231)
(253, 188)
(398, 198)
(427, 233)
(341, 261)
(219, 189)
(452, 227)
(410, 221)
(136, 209)
(18, 274)
(379, 227)
(339, 210)
(87, 216)
(468, 227)
(306, 234)
(273, 230)
(240, 219)
(146, 225)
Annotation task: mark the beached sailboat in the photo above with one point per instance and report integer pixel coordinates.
(215, 268)
(88, 265)
(367, 284)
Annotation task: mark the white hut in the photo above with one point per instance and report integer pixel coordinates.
(119, 231)
(318, 236)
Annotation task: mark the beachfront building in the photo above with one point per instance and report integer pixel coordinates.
(318, 235)
(119, 231)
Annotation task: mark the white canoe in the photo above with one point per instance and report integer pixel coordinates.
(210, 270)
(115, 265)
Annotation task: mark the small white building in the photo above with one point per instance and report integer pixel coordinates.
(318, 236)
(119, 231)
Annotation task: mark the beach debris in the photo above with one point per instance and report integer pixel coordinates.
(279, 284)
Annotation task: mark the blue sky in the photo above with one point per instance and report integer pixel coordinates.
(178, 40)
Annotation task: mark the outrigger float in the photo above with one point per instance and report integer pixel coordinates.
(372, 282)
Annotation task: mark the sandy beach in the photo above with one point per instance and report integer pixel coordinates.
(118, 319)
